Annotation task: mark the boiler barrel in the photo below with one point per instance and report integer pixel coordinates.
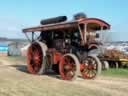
(54, 20)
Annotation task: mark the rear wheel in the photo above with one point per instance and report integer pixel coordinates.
(91, 67)
(69, 67)
(35, 58)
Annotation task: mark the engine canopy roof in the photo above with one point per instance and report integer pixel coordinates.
(68, 24)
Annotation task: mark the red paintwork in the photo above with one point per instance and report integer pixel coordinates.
(56, 57)
(87, 68)
(34, 58)
(95, 20)
(66, 68)
(82, 66)
(93, 46)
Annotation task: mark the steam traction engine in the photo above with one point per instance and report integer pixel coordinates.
(65, 47)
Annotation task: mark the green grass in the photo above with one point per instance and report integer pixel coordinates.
(120, 72)
(14, 58)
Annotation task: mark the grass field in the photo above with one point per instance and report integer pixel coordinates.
(14, 58)
(120, 72)
(16, 81)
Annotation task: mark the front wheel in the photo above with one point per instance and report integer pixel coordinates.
(91, 67)
(69, 67)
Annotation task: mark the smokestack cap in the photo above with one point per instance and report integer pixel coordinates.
(80, 15)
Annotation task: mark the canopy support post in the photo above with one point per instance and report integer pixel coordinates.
(85, 33)
(32, 36)
(27, 37)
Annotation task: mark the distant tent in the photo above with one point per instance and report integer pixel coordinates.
(24, 49)
(3, 49)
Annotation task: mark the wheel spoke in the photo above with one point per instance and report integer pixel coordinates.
(85, 70)
(34, 58)
(90, 67)
(68, 68)
(69, 74)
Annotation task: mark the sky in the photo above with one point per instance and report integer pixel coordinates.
(18, 14)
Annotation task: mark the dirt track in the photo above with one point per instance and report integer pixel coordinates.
(14, 80)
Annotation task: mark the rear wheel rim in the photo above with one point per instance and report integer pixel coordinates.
(34, 58)
(67, 68)
(89, 70)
